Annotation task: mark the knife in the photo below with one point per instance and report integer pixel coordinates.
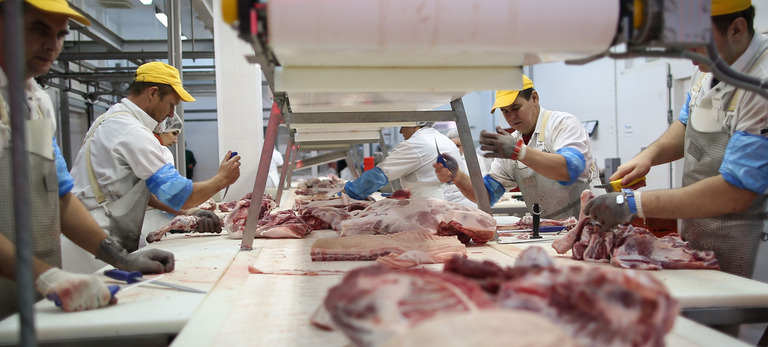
(440, 159)
(136, 276)
(113, 289)
(227, 188)
(615, 186)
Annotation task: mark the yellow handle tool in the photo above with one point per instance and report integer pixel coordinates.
(616, 185)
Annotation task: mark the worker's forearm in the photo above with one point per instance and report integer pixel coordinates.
(155, 203)
(78, 225)
(710, 197)
(549, 165)
(8, 260)
(668, 147)
(202, 191)
(464, 183)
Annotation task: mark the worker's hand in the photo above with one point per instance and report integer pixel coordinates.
(502, 145)
(76, 292)
(447, 173)
(229, 170)
(145, 261)
(208, 222)
(632, 170)
(609, 210)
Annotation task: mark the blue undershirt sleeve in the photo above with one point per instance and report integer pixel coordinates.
(685, 110)
(66, 181)
(369, 182)
(170, 187)
(745, 164)
(575, 161)
(494, 188)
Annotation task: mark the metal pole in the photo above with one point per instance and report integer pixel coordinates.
(174, 58)
(465, 135)
(13, 50)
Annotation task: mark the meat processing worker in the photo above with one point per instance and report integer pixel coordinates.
(167, 132)
(53, 208)
(548, 156)
(721, 135)
(121, 163)
(411, 162)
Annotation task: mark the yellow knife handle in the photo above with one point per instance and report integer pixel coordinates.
(616, 185)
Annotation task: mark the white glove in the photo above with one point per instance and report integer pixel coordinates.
(76, 292)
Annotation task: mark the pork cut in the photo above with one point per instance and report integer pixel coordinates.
(630, 247)
(182, 222)
(373, 304)
(281, 225)
(234, 222)
(401, 250)
(389, 216)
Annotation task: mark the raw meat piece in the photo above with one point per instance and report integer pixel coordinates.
(209, 205)
(630, 247)
(642, 250)
(228, 206)
(402, 250)
(283, 224)
(400, 194)
(373, 304)
(318, 218)
(509, 328)
(389, 216)
(235, 221)
(183, 222)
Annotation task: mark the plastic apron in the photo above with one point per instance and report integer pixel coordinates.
(43, 206)
(740, 240)
(556, 201)
(121, 218)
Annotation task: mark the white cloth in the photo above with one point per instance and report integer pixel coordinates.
(274, 176)
(411, 161)
(169, 156)
(562, 130)
(346, 174)
(124, 153)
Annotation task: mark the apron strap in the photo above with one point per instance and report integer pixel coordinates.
(543, 126)
(97, 192)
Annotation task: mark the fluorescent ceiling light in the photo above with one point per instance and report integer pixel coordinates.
(146, 2)
(162, 18)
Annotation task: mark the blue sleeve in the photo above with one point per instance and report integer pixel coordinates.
(575, 161)
(684, 112)
(494, 188)
(170, 187)
(66, 182)
(745, 164)
(369, 182)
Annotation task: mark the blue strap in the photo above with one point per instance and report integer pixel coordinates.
(369, 182)
(494, 188)
(170, 187)
(685, 110)
(66, 181)
(575, 161)
(630, 200)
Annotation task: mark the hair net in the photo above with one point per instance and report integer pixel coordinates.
(169, 125)
(425, 124)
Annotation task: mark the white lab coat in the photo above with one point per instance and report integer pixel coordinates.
(274, 176)
(124, 153)
(411, 161)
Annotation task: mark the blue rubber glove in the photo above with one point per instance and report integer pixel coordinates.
(369, 182)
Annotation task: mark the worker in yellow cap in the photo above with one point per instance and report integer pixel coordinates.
(121, 163)
(53, 207)
(721, 135)
(548, 156)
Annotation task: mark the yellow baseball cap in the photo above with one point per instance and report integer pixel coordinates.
(507, 97)
(720, 7)
(60, 7)
(158, 72)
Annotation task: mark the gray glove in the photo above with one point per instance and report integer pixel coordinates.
(209, 222)
(146, 261)
(609, 210)
(501, 145)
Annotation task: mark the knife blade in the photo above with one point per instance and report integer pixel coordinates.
(615, 186)
(136, 276)
(440, 159)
